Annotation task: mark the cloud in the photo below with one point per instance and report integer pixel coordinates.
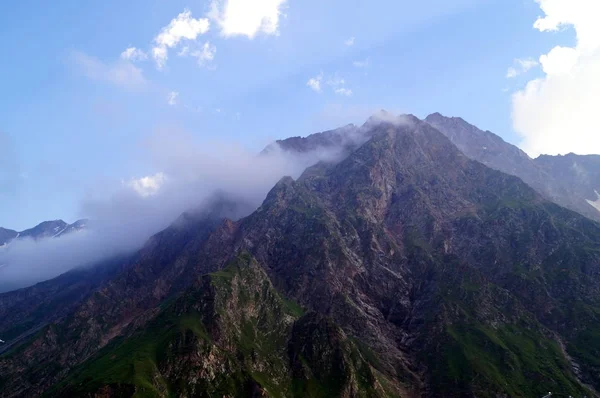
(147, 186)
(121, 73)
(315, 83)
(193, 173)
(350, 42)
(339, 113)
(172, 98)
(181, 28)
(247, 18)
(338, 84)
(362, 64)
(520, 67)
(343, 91)
(335, 82)
(556, 114)
(134, 54)
(205, 54)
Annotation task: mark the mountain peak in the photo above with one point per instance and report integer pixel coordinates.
(45, 229)
(439, 118)
(6, 235)
(383, 116)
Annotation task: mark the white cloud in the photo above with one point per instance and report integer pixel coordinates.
(121, 73)
(556, 113)
(520, 67)
(172, 98)
(350, 42)
(205, 54)
(335, 82)
(181, 28)
(343, 91)
(559, 61)
(247, 18)
(315, 83)
(362, 64)
(184, 51)
(339, 86)
(134, 54)
(147, 186)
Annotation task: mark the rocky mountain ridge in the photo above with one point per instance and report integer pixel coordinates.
(46, 229)
(571, 180)
(405, 269)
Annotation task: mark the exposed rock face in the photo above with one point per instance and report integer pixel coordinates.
(571, 181)
(420, 272)
(231, 335)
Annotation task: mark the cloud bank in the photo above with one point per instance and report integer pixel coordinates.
(556, 114)
(189, 174)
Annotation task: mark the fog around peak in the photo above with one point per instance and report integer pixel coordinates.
(188, 174)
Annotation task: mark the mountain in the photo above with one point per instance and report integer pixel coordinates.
(580, 175)
(570, 181)
(46, 229)
(404, 269)
(342, 138)
(6, 235)
(77, 226)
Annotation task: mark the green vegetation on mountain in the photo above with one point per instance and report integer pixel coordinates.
(231, 334)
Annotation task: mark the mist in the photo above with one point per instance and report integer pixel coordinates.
(187, 174)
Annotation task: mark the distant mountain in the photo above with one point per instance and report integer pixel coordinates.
(6, 235)
(77, 226)
(46, 229)
(405, 269)
(579, 175)
(571, 181)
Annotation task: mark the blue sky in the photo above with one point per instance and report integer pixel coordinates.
(76, 116)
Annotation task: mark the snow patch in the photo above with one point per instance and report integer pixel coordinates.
(596, 203)
(59, 232)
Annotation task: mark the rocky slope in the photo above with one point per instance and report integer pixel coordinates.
(231, 334)
(419, 271)
(570, 181)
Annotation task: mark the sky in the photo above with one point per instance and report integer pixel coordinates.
(102, 98)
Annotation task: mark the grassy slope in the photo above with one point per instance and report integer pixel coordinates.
(140, 364)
